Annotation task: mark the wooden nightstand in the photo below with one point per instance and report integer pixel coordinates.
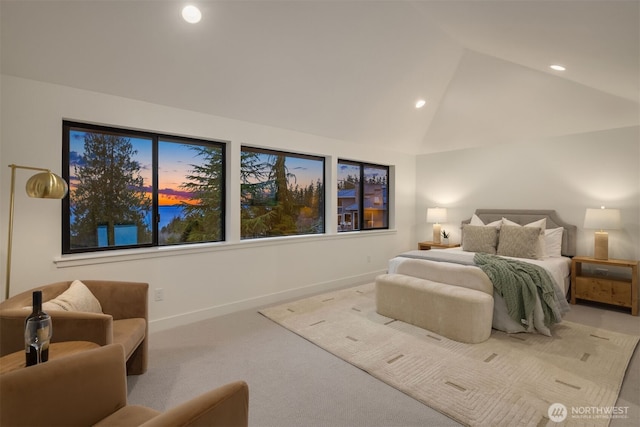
(614, 291)
(425, 246)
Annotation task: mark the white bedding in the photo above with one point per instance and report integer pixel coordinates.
(559, 268)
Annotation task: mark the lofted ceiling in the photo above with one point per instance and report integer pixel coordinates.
(350, 70)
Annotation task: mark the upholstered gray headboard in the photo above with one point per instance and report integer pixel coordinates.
(525, 216)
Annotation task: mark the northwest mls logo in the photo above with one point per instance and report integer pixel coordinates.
(557, 412)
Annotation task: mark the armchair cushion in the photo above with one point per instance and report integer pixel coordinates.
(131, 415)
(130, 333)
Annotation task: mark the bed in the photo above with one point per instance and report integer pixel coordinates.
(530, 237)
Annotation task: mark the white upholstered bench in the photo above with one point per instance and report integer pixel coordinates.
(456, 312)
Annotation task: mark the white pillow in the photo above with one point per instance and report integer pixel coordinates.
(77, 298)
(541, 224)
(475, 220)
(553, 241)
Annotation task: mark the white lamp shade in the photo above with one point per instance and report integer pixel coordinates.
(602, 219)
(436, 215)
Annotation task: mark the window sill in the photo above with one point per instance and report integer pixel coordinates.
(106, 257)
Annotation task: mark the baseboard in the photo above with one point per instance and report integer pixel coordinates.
(162, 324)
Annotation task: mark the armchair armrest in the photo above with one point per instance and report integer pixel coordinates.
(12, 330)
(226, 406)
(80, 389)
(67, 326)
(81, 326)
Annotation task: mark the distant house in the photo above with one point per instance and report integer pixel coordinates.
(374, 204)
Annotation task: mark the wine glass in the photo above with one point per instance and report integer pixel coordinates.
(37, 332)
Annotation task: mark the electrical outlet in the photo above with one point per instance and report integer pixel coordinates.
(158, 294)
(368, 259)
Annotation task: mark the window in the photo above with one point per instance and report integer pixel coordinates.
(281, 194)
(362, 196)
(139, 189)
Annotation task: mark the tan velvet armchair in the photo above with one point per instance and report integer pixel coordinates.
(124, 319)
(90, 388)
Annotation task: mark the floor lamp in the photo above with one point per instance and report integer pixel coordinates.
(43, 185)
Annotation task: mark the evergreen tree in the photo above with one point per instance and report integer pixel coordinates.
(284, 221)
(254, 216)
(110, 191)
(268, 204)
(204, 214)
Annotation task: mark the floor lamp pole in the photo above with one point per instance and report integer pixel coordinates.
(45, 185)
(10, 231)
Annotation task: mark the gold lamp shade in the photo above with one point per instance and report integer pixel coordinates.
(46, 185)
(43, 185)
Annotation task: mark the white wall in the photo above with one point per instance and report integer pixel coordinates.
(568, 174)
(198, 281)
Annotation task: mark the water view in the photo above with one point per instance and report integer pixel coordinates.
(168, 213)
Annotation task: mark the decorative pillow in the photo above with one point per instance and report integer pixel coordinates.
(542, 224)
(479, 238)
(77, 298)
(519, 242)
(553, 241)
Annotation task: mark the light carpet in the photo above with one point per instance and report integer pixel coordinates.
(509, 380)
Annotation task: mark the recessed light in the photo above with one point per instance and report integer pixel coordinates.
(191, 14)
(557, 67)
(420, 103)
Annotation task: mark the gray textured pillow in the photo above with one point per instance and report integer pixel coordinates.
(478, 238)
(519, 242)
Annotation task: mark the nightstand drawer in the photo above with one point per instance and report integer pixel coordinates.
(604, 290)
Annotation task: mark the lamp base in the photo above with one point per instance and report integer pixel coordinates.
(436, 233)
(601, 248)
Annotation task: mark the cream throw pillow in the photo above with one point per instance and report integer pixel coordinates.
(77, 298)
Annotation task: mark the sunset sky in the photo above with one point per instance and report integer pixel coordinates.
(175, 162)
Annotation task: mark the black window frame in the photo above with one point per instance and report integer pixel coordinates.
(361, 195)
(155, 137)
(322, 203)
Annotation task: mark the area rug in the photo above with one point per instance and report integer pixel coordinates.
(573, 377)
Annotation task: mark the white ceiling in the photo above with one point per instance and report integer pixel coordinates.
(350, 70)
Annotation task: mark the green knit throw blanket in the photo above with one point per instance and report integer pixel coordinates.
(518, 283)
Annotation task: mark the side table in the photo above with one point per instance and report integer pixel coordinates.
(608, 290)
(425, 246)
(16, 360)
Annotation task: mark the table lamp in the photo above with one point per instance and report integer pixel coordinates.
(602, 219)
(436, 216)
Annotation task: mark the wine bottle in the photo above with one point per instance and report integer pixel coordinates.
(37, 313)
